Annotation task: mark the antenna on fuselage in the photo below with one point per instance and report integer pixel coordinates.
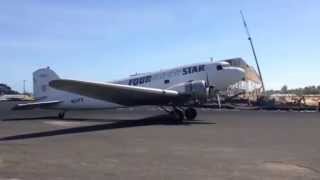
(253, 49)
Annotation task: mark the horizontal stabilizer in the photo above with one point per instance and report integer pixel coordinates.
(28, 106)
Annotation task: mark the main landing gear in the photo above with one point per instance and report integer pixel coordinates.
(61, 115)
(177, 115)
(180, 114)
(190, 113)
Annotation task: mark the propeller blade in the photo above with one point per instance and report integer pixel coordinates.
(207, 81)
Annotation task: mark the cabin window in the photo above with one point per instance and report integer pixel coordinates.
(167, 81)
(219, 67)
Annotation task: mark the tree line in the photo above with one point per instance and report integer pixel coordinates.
(308, 90)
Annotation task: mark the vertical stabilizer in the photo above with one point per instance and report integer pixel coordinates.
(41, 88)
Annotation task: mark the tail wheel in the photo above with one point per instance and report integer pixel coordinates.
(61, 115)
(191, 113)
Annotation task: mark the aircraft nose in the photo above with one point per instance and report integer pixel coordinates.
(231, 75)
(236, 73)
(241, 73)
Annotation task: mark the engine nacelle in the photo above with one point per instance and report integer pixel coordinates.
(196, 89)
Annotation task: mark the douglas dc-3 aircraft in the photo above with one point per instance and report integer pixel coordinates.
(177, 89)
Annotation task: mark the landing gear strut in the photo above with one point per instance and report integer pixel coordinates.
(61, 115)
(178, 115)
(190, 113)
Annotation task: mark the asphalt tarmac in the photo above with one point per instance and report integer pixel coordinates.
(145, 143)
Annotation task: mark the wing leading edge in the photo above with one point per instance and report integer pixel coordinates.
(118, 93)
(28, 106)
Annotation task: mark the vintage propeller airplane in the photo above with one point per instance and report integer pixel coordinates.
(179, 89)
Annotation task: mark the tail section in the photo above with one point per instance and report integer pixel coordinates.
(41, 88)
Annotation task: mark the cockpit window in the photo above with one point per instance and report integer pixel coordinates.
(219, 67)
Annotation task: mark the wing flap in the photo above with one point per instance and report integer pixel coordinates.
(117, 93)
(29, 106)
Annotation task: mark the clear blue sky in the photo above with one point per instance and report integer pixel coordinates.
(106, 40)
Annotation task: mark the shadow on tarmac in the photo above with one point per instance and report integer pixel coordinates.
(116, 124)
(54, 118)
(30, 119)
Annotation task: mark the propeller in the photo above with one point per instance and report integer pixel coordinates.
(210, 88)
(207, 80)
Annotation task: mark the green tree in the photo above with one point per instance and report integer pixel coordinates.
(284, 89)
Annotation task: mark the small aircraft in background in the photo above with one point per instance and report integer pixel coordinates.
(175, 90)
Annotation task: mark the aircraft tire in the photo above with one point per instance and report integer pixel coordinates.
(61, 115)
(191, 113)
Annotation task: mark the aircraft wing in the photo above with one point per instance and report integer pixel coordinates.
(28, 106)
(120, 94)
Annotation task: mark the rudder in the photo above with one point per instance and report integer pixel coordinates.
(41, 88)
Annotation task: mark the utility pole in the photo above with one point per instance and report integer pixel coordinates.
(253, 50)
